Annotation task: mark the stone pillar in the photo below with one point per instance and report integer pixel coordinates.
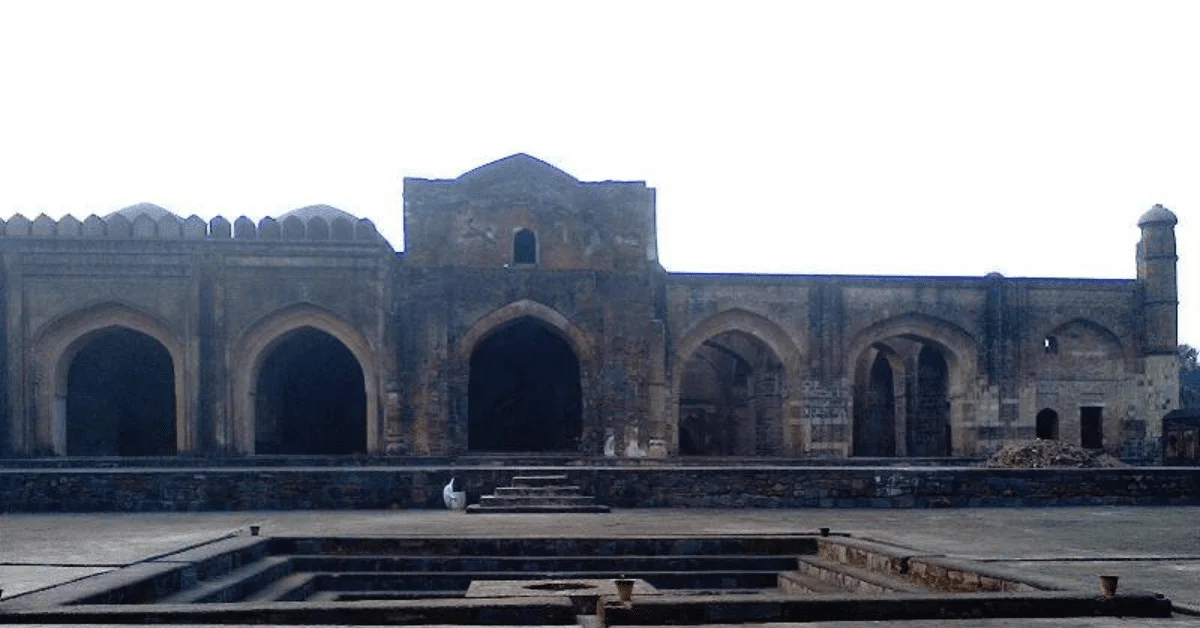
(660, 433)
(1156, 272)
(767, 412)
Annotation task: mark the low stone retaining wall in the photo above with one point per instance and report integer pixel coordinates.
(481, 460)
(675, 486)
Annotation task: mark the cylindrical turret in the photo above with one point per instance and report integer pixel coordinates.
(1156, 272)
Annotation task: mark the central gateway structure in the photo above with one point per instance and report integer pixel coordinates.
(529, 313)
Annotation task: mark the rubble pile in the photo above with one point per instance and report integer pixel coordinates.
(1046, 454)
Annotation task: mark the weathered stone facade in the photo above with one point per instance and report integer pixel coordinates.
(529, 312)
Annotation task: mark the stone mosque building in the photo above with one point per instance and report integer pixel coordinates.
(528, 312)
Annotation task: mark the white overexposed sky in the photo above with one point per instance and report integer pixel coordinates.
(915, 137)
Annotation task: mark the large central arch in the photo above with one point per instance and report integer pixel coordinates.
(524, 392)
(527, 368)
(120, 349)
(272, 332)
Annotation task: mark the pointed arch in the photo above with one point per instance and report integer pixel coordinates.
(953, 345)
(256, 343)
(579, 340)
(788, 358)
(60, 340)
(1103, 331)
(942, 333)
(756, 325)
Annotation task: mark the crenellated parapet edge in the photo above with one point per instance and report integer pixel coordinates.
(290, 228)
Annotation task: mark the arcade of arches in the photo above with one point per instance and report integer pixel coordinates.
(310, 398)
(524, 393)
(902, 400)
(120, 398)
(729, 399)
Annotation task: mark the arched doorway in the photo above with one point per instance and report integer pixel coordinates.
(929, 427)
(524, 393)
(902, 398)
(729, 398)
(310, 397)
(1047, 425)
(120, 396)
(878, 401)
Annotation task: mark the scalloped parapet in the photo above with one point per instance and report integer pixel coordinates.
(42, 227)
(244, 229)
(269, 229)
(194, 228)
(17, 226)
(327, 225)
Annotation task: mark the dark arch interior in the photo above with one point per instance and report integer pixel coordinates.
(524, 392)
(929, 427)
(875, 427)
(121, 397)
(310, 398)
(729, 399)
(1047, 425)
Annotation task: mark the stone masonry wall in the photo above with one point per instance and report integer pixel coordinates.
(121, 490)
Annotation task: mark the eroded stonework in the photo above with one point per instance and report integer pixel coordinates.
(529, 312)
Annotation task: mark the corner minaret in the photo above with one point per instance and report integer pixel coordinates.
(1156, 272)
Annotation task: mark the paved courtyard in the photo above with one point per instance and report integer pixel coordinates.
(1155, 549)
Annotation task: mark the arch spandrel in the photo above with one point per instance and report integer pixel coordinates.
(785, 348)
(1126, 350)
(578, 339)
(957, 342)
(253, 345)
(58, 341)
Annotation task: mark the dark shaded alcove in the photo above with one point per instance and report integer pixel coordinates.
(875, 423)
(929, 428)
(1047, 425)
(524, 393)
(310, 398)
(121, 396)
(729, 398)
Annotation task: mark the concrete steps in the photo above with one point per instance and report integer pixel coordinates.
(518, 563)
(234, 585)
(294, 588)
(531, 494)
(797, 582)
(540, 480)
(522, 491)
(852, 579)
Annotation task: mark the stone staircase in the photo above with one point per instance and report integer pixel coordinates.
(538, 494)
(866, 568)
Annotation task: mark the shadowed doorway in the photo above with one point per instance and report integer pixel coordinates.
(121, 396)
(524, 393)
(310, 398)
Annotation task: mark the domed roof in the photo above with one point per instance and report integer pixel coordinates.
(518, 166)
(327, 212)
(149, 209)
(1158, 214)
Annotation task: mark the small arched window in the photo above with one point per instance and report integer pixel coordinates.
(524, 247)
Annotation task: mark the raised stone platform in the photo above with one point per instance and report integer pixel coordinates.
(642, 485)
